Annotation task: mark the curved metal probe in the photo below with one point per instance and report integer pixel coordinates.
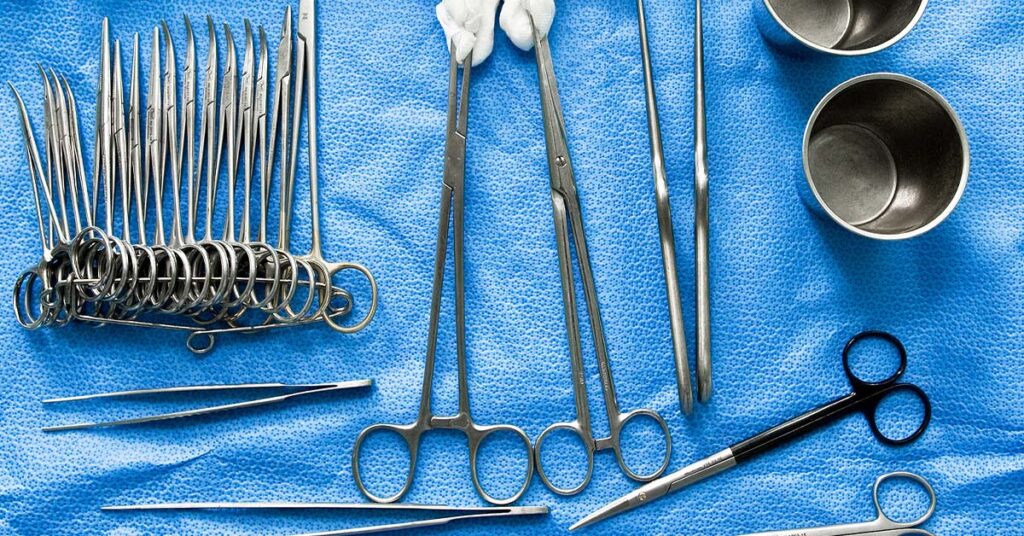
(226, 138)
(154, 154)
(260, 134)
(701, 223)
(665, 228)
(301, 390)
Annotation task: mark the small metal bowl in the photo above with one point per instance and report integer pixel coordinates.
(839, 27)
(885, 157)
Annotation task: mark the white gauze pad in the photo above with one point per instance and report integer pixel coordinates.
(516, 20)
(469, 25)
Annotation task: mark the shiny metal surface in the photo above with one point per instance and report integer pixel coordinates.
(691, 474)
(295, 391)
(883, 525)
(452, 216)
(839, 27)
(665, 227)
(702, 261)
(568, 217)
(885, 156)
(452, 513)
(150, 272)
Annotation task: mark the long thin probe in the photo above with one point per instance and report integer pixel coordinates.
(668, 244)
(700, 192)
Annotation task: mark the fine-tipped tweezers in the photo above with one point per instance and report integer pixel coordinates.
(294, 392)
(452, 513)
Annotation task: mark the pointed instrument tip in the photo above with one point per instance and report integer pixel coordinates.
(590, 519)
(611, 509)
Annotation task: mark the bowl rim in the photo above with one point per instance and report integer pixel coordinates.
(943, 103)
(839, 52)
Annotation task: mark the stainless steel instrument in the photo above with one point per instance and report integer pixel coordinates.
(665, 227)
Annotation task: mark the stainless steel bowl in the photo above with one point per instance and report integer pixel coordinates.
(840, 27)
(885, 156)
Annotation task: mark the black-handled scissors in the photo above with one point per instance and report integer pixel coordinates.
(865, 398)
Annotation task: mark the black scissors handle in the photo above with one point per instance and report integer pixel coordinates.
(869, 395)
(865, 398)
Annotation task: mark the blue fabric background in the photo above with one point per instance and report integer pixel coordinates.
(788, 288)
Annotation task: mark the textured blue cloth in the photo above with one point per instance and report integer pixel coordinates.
(788, 288)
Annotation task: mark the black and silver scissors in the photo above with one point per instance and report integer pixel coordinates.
(865, 398)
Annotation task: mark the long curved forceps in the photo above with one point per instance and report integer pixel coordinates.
(568, 216)
(452, 204)
(883, 525)
(866, 398)
(305, 74)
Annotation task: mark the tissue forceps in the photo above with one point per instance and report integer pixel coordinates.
(865, 398)
(569, 218)
(296, 391)
(882, 525)
(453, 208)
(452, 513)
(667, 233)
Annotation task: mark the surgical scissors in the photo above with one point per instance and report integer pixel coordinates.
(882, 525)
(452, 207)
(866, 398)
(569, 217)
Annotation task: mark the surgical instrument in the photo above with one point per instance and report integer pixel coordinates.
(848, 28)
(305, 73)
(452, 213)
(291, 391)
(865, 398)
(568, 217)
(882, 525)
(451, 513)
(701, 218)
(144, 273)
(665, 228)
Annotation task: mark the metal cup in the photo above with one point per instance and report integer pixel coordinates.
(840, 27)
(885, 157)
